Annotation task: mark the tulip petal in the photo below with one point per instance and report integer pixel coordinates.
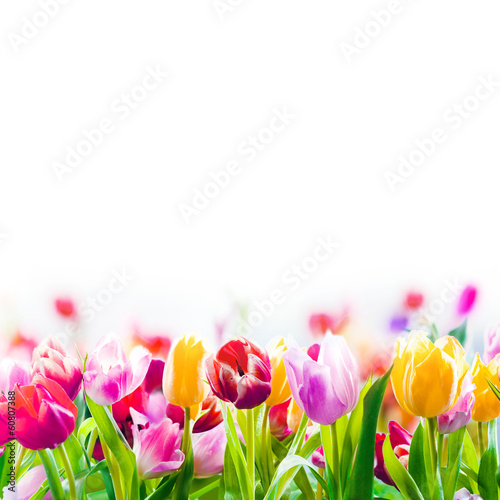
(251, 392)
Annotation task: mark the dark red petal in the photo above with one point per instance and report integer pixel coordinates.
(251, 392)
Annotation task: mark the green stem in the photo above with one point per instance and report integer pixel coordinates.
(53, 478)
(480, 438)
(250, 442)
(439, 455)
(336, 459)
(319, 489)
(435, 459)
(19, 460)
(114, 471)
(264, 447)
(69, 472)
(92, 441)
(185, 447)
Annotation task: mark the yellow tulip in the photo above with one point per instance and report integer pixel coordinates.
(294, 415)
(427, 377)
(486, 406)
(184, 376)
(280, 390)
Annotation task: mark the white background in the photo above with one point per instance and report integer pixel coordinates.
(323, 175)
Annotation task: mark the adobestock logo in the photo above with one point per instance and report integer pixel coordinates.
(453, 119)
(30, 28)
(247, 150)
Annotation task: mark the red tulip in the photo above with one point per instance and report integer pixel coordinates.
(414, 300)
(210, 415)
(65, 307)
(45, 415)
(278, 420)
(240, 373)
(51, 360)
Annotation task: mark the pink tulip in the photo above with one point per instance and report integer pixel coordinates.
(13, 372)
(28, 485)
(156, 446)
(460, 414)
(109, 376)
(208, 451)
(467, 300)
(491, 343)
(65, 307)
(325, 389)
(51, 359)
(318, 455)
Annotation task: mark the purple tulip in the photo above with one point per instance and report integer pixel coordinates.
(464, 494)
(108, 376)
(460, 414)
(156, 446)
(208, 451)
(13, 372)
(491, 343)
(325, 389)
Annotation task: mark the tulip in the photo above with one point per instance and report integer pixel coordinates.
(183, 383)
(280, 390)
(208, 452)
(398, 323)
(13, 372)
(108, 376)
(321, 323)
(278, 420)
(65, 307)
(318, 455)
(210, 415)
(156, 446)
(154, 377)
(158, 345)
(400, 440)
(460, 414)
(413, 300)
(294, 415)
(467, 300)
(28, 485)
(486, 406)
(418, 365)
(328, 388)
(464, 494)
(45, 416)
(51, 360)
(240, 373)
(491, 343)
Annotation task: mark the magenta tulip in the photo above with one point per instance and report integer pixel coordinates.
(208, 451)
(156, 446)
(325, 389)
(460, 414)
(51, 360)
(467, 300)
(109, 376)
(13, 372)
(318, 455)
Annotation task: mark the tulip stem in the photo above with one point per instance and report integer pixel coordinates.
(49, 464)
(186, 448)
(480, 438)
(265, 448)
(19, 460)
(92, 441)
(435, 455)
(250, 439)
(69, 472)
(319, 489)
(336, 462)
(113, 470)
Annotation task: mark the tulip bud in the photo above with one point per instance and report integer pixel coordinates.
(400, 442)
(280, 390)
(109, 376)
(460, 414)
(208, 452)
(45, 416)
(332, 380)
(486, 406)
(417, 366)
(183, 377)
(278, 420)
(51, 359)
(240, 373)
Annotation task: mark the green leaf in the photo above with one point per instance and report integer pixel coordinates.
(352, 435)
(399, 474)
(109, 431)
(360, 483)
(184, 485)
(164, 489)
(455, 446)
(460, 333)
(230, 488)
(487, 473)
(416, 461)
